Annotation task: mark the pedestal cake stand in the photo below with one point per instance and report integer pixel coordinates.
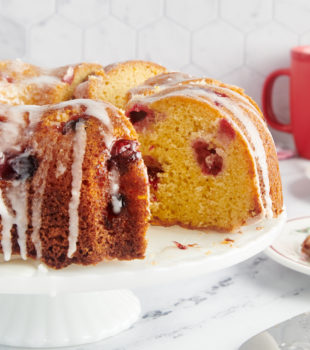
(41, 307)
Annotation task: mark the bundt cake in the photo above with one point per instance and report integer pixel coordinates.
(113, 83)
(73, 185)
(23, 83)
(211, 160)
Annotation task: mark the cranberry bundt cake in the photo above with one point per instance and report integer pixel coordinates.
(23, 83)
(211, 160)
(113, 83)
(73, 185)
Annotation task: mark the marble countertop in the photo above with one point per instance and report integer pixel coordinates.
(223, 309)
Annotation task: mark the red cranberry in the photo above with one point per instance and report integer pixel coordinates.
(153, 176)
(138, 113)
(153, 169)
(180, 245)
(218, 104)
(123, 153)
(226, 129)
(209, 161)
(221, 94)
(4, 76)
(18, 167)
(71, 124)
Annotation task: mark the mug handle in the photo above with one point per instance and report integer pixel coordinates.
(267, 103)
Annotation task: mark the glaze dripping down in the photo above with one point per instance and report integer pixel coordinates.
(20, 169)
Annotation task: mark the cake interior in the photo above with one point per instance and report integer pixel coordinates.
(200, 171)
(124, 77)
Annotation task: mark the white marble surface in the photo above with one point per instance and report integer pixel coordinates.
(221, 310)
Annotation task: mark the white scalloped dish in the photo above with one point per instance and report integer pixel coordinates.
(172, 253)
(286, 249)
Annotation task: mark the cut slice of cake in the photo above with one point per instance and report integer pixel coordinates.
(211, 160)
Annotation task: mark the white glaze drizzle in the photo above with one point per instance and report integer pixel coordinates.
(18, 198)
(79, 146)
(114, 191)
(7, 221)
(42, 80)
(234, 107)
(37, 201)
(69, 74)
(95, 109)
(161, 82)
(11, 128)
(60, 170)
(259, 149)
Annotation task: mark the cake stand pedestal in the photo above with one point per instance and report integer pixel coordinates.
(41, 307)
(65, 319)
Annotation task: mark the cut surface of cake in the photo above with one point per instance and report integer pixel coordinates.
(113, 83)
(23, 83)
(211, 160)
(73, 185)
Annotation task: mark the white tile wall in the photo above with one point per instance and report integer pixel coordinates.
(238, 41)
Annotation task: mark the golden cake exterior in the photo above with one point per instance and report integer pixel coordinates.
(73, 186)
(113, 83)
(23, 83)
(211, 159)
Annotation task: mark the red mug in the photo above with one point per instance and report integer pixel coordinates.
(299, 74)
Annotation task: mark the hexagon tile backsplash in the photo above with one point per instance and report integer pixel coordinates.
(237, 41)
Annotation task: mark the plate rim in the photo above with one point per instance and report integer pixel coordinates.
(283, 259)
(144, 275)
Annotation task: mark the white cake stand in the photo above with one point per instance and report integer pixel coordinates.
(40, 307)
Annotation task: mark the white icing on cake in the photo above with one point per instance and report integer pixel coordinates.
(17, 124)
(39, 183)
(7, 221)
(60, 170)
(11, 128)
(68, 75)
(42, 80)
(114, 191)
(18, 198)
(79, 146)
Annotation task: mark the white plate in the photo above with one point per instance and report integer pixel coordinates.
(286, 249)
(164, 261)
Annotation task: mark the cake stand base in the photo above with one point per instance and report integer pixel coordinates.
(65, 319)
